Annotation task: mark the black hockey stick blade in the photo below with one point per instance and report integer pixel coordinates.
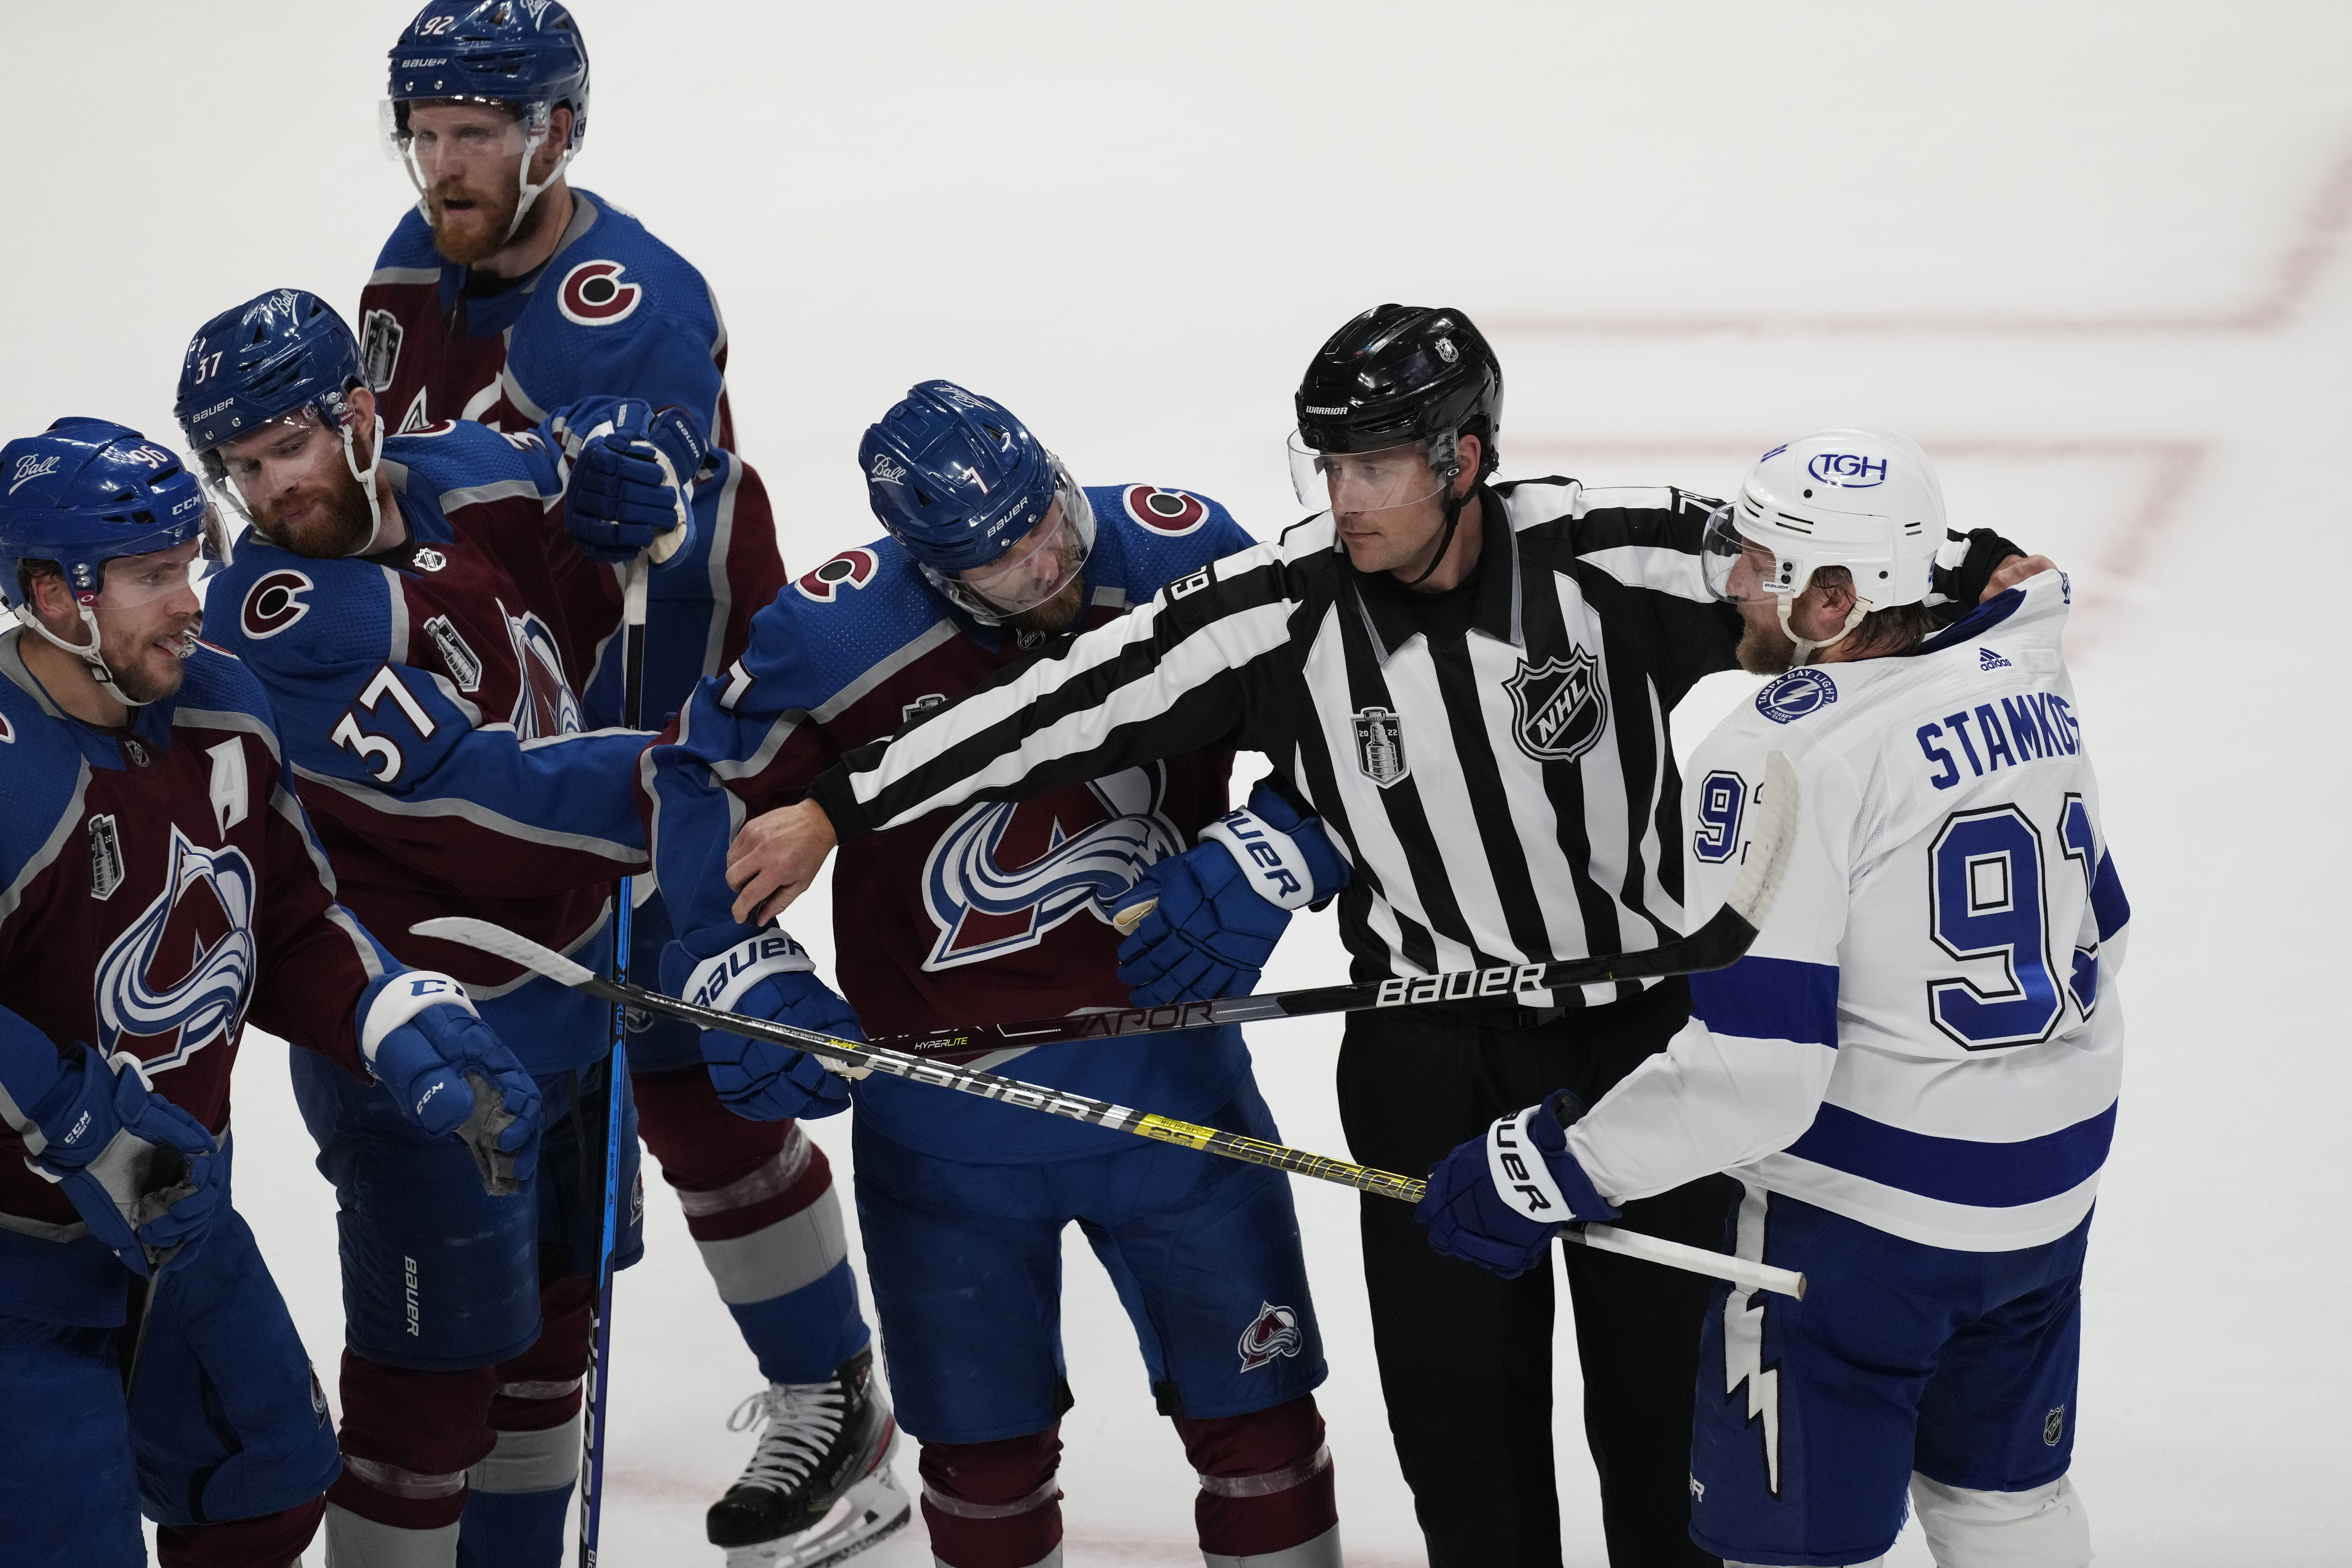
(860, 1059)
(1720, 942)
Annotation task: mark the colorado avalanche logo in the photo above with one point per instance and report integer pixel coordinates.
(850, 569)
(275, 600)
(1172, 513)
(1796, 694)
(1273, 1333)
(544, 703)
(207, 907)
(592, 295)
(1009, 871)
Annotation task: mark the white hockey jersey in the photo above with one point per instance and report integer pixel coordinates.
(1925, 1036)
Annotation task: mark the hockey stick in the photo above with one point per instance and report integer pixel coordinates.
(861, 1059)
(1716, 944)
(616, 1070)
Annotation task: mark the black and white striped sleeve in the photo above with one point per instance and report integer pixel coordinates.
(1190, 669)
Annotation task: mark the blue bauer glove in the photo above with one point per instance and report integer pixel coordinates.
(1221, 906)
(449, 1073)
(1497, 1201)
(766, 975)
(618, 500)
(144, 1174)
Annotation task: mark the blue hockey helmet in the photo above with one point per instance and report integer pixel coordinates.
(85, 492)
(278, 353)
(524, 55)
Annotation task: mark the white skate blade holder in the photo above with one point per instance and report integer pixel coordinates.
(870, 1510)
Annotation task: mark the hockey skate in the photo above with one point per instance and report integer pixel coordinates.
(818, 1488)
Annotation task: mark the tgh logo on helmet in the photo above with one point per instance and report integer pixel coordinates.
(1847, 470)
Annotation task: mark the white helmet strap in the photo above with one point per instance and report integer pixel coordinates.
(526, 192)
(366, 479)
(89, 653)
(1806, 647)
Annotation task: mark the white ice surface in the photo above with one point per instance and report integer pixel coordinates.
(2091, 255)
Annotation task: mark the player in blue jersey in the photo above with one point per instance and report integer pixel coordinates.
(159, 885)
(503, 293)
(1914, 1071)
(395, 596)
(1003, 911)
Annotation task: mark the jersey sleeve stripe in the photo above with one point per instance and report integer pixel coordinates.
(1960, 1170)
(1770, 999)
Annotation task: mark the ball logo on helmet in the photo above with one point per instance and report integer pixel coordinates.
(1172, 513)
(1273, 1333)
(885, 471)
(1796, 694)
(31, 468)
(1847, 470)
(593, 294)
(850, 569)
(274, 602)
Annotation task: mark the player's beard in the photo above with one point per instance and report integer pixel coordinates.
(339, 524)
(1053, 615)
(1765, 648)
(137, 681)
(476, 232)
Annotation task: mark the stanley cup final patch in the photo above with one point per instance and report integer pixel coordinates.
(1559, 707)
(1380, 746)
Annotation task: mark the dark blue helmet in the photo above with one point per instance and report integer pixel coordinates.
(526, 53)
(284, 350)
(86, 490)
(956, 478)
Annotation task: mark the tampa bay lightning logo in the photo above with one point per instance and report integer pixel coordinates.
(544, 702)
(212, 892)
(1796, 694)
(1009, 871)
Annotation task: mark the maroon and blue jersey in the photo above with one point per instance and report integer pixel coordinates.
(158, 887)
(432, 731)
(985, 915)
(614, 312)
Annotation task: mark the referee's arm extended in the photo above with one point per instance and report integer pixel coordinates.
(1191, 669)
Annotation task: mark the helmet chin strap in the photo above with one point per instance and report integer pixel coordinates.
(89, 653)
(528, 194)
(1452, 506)
(367, 480)
(1806, 647)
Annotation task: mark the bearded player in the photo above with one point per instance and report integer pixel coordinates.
(507, 293)
(1001, 911)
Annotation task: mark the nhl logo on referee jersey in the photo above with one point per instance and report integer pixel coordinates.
(1380, 746)
(1273, 1333)
(1560, 707)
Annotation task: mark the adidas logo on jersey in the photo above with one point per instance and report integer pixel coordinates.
(1988, 659)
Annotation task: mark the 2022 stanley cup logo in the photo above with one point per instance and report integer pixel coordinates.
(1380, 746)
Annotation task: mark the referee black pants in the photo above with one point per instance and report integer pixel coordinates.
(1465, 1357)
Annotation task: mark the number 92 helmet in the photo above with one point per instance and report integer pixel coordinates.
(526, 56)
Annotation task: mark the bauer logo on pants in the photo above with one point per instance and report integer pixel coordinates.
(1273, 1333)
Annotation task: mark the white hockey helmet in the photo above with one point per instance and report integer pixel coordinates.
(1865, 500)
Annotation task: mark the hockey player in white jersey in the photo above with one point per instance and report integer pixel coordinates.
(1913, 1073)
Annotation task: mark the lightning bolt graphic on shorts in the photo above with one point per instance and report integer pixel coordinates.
(1743, 1341)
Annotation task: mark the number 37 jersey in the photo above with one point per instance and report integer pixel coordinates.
(1925, 1036)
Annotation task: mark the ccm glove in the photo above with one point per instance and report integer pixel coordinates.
(619, 500)
(142, 1174)
(1222, 904)
(1497, 1201)
(766, 975)
(450, 1074)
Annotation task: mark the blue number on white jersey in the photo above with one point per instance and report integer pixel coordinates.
(1985, 901)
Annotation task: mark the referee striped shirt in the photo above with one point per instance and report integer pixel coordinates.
(1506, 795)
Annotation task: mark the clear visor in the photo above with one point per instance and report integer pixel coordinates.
(1399, 476)
(460, 140)
(1738, 569)
(1043, 563)
(255, 469)
(132, 581)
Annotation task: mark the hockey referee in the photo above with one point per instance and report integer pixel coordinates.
(1469, 683)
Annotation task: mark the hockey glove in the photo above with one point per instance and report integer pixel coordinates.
(1497, 1201)
(142, 1172)
(767, 975)
(1964, 568)
(450, 1074)
(619, 501)
(1222, 904)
